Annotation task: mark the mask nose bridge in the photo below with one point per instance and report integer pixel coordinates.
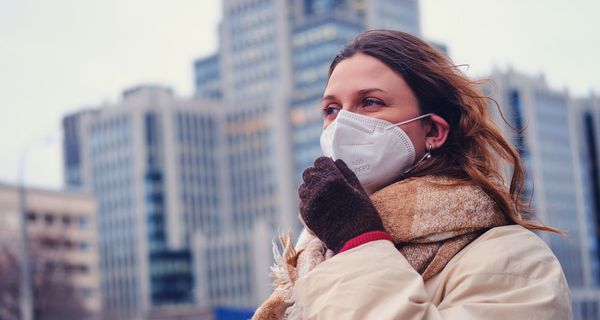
(356, 124)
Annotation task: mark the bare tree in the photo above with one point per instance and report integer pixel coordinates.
(54, 297)
(9, 285)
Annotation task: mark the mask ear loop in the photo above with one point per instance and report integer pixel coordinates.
(426, 156)
(408, 121)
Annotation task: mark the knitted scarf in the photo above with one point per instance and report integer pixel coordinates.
(430, 219)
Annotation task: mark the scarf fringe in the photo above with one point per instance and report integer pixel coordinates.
(284, 269)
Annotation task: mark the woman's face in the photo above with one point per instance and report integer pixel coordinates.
(362, 84)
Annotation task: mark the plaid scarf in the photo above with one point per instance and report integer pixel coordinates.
(429, 218)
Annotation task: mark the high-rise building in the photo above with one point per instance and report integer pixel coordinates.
(278, 53)
(557, 143)
(185, 188)
(585, 120)
(207, 77)
(61, 230)
(270, 71)
(272, 66)
(76, 162)
(150, 162)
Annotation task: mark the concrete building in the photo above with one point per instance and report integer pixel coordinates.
(61, 227)
(136, 158)
(585, 120)
(176, 208)
(557, 144)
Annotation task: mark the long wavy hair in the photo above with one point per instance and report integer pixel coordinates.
(475, 150)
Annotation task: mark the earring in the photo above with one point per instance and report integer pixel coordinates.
(429, 148)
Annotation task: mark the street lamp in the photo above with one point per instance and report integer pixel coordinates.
(25, 292)
(26, 301)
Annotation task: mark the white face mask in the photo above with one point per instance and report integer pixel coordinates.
(377, 151)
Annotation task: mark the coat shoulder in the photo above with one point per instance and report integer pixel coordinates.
(511, 250)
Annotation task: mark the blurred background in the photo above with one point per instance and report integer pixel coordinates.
(151, 150)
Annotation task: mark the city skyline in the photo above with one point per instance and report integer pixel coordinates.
(191, 184)
(70, 58)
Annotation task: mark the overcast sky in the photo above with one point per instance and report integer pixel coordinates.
(58, 56)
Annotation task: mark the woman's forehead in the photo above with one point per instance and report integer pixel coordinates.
(362, 72)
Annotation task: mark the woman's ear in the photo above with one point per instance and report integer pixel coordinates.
(438, 133)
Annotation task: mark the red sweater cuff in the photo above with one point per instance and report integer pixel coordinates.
(364, 238)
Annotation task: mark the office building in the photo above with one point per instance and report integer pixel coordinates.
(176, 204)
(270, 71)
(278, 53)
(558, 144)
(61, 228)
(585, 119)
(144, 161)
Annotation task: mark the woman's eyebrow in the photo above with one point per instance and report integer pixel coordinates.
(369, 90)
(361, 92)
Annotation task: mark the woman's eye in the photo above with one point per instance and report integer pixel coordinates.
(330, 110)
(372, 102)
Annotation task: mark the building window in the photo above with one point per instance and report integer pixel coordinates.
(84, 246)
(67, 244)
(66, 220)
(83, 223)
(31, 216)
(49, 219)
(87, 293)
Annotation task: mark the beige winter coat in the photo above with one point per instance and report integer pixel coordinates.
(507, 273)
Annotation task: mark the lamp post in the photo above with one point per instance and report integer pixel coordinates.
(25, 292)
(26, 300)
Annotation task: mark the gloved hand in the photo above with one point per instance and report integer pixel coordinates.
(334, 206)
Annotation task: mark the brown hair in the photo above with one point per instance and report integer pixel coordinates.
(475, 148)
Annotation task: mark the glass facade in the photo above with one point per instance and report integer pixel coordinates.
(586, 309)
(250, 167)
(229, 271)
(198, 175)
(518, 122)
(591, 186)
(589, 174)
(171, 279)
(112, 179)
(251, 28)
(71, 151)
(396, 14)
(556, 167)
(208, 77)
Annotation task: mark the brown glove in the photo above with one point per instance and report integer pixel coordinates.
(334, 206)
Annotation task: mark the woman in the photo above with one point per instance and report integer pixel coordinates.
(410, 202)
